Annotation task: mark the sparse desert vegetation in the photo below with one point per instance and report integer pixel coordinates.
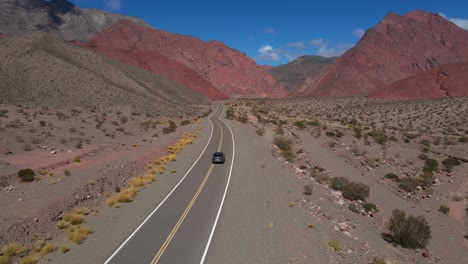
(412, 152)
(44, 149)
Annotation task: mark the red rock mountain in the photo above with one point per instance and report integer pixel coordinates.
(155, 62)
(449, 80)
(230, 71)
(396, 48)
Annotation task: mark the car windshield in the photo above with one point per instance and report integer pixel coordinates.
(218, 154)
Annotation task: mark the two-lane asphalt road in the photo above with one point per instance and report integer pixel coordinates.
(180, 228)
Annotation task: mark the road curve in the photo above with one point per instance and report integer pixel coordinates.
(181, 226)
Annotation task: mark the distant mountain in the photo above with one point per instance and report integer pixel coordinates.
(56, 17)
(230, 71)
(41, 70)
(294, 73)
(449, 80)
(396, 48)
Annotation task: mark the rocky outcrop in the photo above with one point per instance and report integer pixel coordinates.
(396, 48)
(293, 74)
(449, 80)
(58, 17)
(230, 71)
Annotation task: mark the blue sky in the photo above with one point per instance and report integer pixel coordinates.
(275, 32)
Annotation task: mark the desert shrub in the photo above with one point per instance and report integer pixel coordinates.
(338, 133)
(330, 134)
(378, 260)
(320, 177)
(356, 191)
(314, 123)
(29, 259)
(230, 114)
(243, 119)
(27, 147)
(357, 132)
(449, 163)
(334, 245)
(171, 128)
(444, 209)
(423, 156)
(457, 198)
(463, 139)
(379, 136)
(67, 173)
(409, 184)
(409, 231)
(13, 249)
(392, 176)
(425, 142)
(26, 175)
(339, 183)
(42, 123)
(3, 113)
(285, 146)
(308, 188)
(185, 122)
(49, 248)
(370, 207)
(117, 189)
(282, 143)
(300, 124)
(430, 165)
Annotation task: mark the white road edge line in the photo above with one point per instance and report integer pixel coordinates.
(224, 196)
(160, 204)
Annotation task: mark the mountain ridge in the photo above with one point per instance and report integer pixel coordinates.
(396, 48)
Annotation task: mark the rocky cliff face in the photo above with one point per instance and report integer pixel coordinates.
(293, 74)
(398, 47)
(229, 70)
(56, 17)
(449, 80)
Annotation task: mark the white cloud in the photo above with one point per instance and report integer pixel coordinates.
(267, 53)
(460, 22)
(359, 32)
(318, 43)
(269, 30)
(114, 4)
(334, 51)
(297, 45)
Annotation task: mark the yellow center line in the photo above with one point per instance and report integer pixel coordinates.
(187, 210)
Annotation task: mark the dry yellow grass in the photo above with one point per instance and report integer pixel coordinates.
(38, 245)
(82, 211)
(12, 249)
(292, 203)
(78, 234)
(64, 249)
(172, 157)
(49, 248)
(73, 218)
(28, 260)
(3, 259)
(173, 171)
